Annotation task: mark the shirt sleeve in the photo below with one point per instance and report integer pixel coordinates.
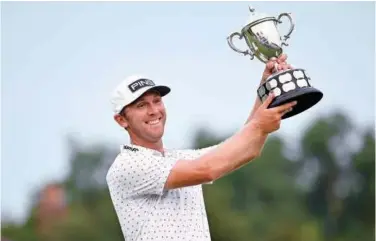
(137, 174)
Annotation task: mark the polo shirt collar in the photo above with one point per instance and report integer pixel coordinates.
(137, 148)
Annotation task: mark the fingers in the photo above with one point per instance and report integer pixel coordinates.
(270, 65)
(282, 58)
(285, 112)
(278, 64)
(274, 59)
(268, 101)
(285, 107)
(284, 66)
(282, 63)
(275, 65)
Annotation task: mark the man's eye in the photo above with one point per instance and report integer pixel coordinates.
(140, 105)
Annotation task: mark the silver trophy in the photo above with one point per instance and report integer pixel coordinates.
(264, 42)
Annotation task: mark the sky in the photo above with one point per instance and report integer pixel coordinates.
(61, 60)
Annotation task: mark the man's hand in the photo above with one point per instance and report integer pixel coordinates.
(275, 64)
(269, 120)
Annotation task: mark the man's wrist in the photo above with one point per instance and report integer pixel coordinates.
(254, 128)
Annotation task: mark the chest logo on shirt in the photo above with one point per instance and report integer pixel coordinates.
(130, 148)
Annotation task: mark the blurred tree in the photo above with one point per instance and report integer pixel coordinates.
(23, 232)
(88, 169)
(330, 159)
(92, 216)
(359, 206)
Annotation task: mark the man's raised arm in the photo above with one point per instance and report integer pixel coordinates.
(233, 153)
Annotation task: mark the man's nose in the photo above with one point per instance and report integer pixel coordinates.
(153, 109)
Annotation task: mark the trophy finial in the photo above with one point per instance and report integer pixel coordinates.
(251, 9)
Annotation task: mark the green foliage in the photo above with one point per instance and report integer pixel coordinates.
(326, 191)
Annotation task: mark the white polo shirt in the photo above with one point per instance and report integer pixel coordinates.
(145, 210)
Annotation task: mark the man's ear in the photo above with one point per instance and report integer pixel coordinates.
(121, 120)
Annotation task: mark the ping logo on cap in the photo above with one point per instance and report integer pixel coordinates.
(139, 84)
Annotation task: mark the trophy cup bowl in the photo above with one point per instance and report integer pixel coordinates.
(264, 42)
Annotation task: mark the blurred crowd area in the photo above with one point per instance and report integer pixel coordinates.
(321, 188)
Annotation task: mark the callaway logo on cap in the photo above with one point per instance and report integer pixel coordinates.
(131, 89)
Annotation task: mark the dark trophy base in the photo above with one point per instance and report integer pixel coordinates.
(288, 86)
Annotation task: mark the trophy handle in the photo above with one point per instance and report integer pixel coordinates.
(292, 26)
(231, 44)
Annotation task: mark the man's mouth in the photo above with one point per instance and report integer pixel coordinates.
(154, 122)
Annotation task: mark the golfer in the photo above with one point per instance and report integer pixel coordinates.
(156, 191)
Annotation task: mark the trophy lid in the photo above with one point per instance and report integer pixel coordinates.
(255, 16)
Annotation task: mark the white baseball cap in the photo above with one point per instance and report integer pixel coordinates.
(131, 89)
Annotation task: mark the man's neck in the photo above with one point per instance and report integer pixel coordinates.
(158, 146)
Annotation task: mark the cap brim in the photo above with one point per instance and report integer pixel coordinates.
(163, 90)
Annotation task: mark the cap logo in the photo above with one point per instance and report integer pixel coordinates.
(139, 84)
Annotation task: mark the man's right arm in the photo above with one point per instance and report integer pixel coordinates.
(238, 150)
(233, 153)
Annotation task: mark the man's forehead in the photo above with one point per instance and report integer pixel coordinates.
(153, 93)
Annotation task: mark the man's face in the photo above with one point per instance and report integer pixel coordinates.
(145, 118)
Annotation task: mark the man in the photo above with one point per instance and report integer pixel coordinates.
(157, 192)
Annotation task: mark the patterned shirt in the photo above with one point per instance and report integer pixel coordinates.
(145, 210)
